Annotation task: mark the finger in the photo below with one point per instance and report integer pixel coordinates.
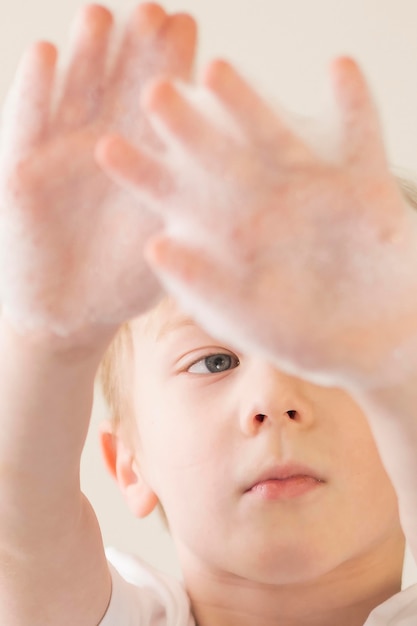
(180, 123)
(177, 42)
(134, 63)
(154, 44)
(188, 275)
(85, 75)
(258, 122)
(360, 127)
(27, 109)
(134, 170)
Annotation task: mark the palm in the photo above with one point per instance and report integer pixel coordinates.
(73, 240)
(287, 252)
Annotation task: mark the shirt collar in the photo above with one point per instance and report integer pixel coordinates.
(409, 569)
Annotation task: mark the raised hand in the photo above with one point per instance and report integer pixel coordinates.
(272, 244)
(71, 242)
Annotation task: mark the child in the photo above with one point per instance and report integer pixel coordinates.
(275, 495)
(273, 487)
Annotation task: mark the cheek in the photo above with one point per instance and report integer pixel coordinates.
(183, 439)
(362, 486)
(365, 463)
(185, 466)
(353, 447)
(373, 496)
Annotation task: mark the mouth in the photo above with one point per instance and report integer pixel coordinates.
(285, 482)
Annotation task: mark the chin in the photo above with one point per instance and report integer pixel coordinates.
(289, 565)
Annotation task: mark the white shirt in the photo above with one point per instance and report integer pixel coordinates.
(141, 596)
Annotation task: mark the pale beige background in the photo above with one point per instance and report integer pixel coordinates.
(285, 47)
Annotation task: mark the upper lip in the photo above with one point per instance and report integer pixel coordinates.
(283, 471)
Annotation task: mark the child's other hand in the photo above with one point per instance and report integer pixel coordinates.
(274, 247)
(71, 241)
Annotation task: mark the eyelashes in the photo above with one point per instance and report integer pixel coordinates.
(215, 363)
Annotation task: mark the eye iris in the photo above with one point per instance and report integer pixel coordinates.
(218, 362)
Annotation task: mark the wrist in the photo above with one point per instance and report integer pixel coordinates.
(82, 349)
(392, 376)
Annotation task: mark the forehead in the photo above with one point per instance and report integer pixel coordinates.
(161, 320)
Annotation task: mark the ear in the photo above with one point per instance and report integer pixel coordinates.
(122, 465)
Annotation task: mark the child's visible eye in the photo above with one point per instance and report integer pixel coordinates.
(214, 364)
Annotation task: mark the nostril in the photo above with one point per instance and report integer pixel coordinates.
(260, 417)
(292, 414)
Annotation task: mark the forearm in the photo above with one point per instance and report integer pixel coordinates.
(392, 414)
(65, 581)
(52, 564)
(46, 399)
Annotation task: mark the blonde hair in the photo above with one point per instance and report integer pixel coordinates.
(113, 376)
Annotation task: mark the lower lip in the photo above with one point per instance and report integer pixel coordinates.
(285, 488)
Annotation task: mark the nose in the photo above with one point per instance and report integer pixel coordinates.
(270, 398)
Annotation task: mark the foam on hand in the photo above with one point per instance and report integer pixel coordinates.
(307, 253)
(71, 241)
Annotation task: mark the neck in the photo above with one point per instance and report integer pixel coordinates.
(344, 596)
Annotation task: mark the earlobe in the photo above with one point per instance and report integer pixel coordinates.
(122, 465)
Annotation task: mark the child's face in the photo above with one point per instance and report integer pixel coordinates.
(202, 445)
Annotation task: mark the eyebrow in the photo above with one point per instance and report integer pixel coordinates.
(172, 325)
